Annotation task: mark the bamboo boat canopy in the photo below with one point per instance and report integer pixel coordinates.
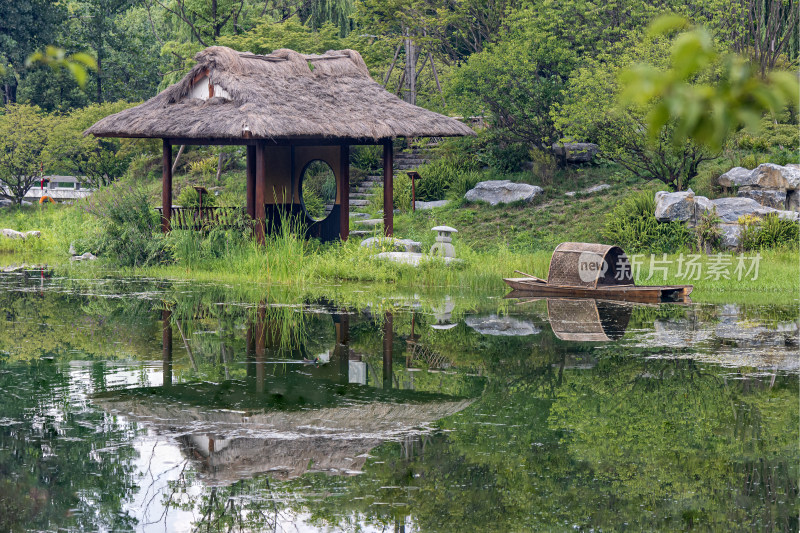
(230, 95)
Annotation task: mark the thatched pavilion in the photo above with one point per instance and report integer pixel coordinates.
(289, 109)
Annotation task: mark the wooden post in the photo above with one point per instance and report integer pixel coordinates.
(388, 196)
(261, 341)
(344, 192)
(166, 347)
(388, 340)
(414, 177)
(251, 181)
(261, 191)
(166, 186)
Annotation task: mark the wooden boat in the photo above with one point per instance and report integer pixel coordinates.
(585, 270)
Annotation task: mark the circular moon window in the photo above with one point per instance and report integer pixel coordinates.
(318, 189)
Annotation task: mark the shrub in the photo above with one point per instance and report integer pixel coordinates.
(505, 157)
(464, 182)
(366, 157)
(401, 189)
(707, 233)
(633, 226)
(437, 177)
(205, 167)
(132, 229)
(768, 136)
(769, 232)
(189, 197)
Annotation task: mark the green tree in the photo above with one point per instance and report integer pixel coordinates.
(24, 27)
(24, 132)
(515, 83)
(706, 94)
(100, 160)
(591, 112)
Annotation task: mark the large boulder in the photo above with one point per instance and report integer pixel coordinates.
(502, 192)
(735, 177)
(774, 198)
(772, 176)
(731, 209)
(675, 206)
(576, 152)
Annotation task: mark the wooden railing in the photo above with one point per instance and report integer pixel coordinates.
(195, 218)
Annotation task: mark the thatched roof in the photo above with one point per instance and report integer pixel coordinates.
(284, 95)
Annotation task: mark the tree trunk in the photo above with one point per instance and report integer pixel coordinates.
(412, 54)
(99, 75)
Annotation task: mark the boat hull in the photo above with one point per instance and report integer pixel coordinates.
(526, 288)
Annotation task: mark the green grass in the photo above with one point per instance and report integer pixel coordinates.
(492, 242)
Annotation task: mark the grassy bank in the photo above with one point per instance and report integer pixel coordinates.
(293, 262)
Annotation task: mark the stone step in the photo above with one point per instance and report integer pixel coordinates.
(359, 195)
(364, 190)
(361, 233)
(412, 158)
(370, 222)
(358, 215)
(359, 203)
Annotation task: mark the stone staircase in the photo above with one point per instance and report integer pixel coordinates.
(406, 160)
(364, 224)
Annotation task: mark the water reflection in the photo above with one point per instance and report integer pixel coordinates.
(131, 404)
(295, 411)
(586, 320)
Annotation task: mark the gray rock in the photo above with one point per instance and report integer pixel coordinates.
(5, 202)
(413, 259)
(359, 215)
(13, 234)
(576, 152)
(731, 209)
(370, 222)
(774, 198)
(735, 177)
(672, 206)
(502, 326)
(502, 192)
(570, 194)
(392, 244)
(772, 176)
(88, 256)
(431, 205)
(731, 234)
(597, 188)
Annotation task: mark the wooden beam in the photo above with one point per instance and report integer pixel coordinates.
(388, 184)
(344, 192)
(297, 141)
(261, 191)
(166, 186)
(251, 182)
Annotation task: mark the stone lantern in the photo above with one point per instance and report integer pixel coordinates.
(443, 247)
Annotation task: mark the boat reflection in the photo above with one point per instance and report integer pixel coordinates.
(587, 320)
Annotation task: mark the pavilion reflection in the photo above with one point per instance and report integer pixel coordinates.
(292, 411)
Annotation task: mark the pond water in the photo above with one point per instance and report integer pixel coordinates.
(164, 406)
